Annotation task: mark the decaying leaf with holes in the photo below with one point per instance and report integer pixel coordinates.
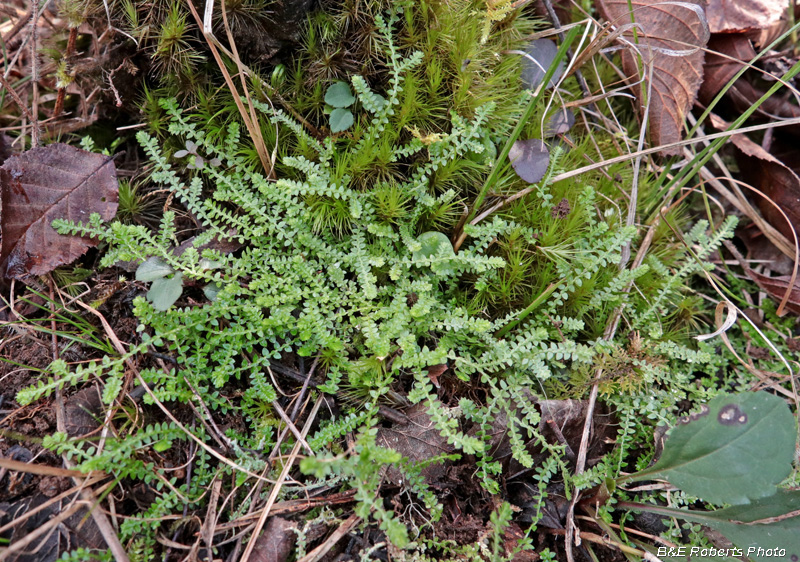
(669, 37)
(53, 182)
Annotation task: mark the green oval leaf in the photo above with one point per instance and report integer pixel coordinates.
(165, 291)
(152, 269)
(766, 530)
(432, 242)
(339, 95)
(738, 448)
(436, 245)
(341, 120)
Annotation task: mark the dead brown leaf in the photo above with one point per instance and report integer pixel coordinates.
(83, 412)
(276, 542)
(744, 94)
(435, 371)
(724, 59)
(417, 440)
(53, 182)
(670, 40)
(775, 180)
(776, 287)
(728, 16)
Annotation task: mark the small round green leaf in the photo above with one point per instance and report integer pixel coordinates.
(341, 120)
(432, 242)
(165, 291)
(339, 95)
(436, 247)
(152, 269)
(212, 290)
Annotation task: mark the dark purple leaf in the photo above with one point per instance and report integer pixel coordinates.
(539, 55)
(559, 123)
(530, 159)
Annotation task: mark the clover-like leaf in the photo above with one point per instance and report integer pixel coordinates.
(339, 95)
(341, 120)
(559, 123)
(152, 269)
(165, 291)
(737, 449)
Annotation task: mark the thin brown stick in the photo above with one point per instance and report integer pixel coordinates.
(277, 487)
(63, 495)
(258, 141)
(211, 514)
(68, 52)
(291, 426)
(19, 466)
(18, 25)
(35, 133)
(21, 544)
(22, 106)
(249, 125)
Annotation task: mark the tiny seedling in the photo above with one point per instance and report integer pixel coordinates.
(338, 98)
(167, 284)
(197, 161)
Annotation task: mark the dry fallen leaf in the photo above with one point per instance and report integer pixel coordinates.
(276, 542)
(727, 16)
(418, 440)
(776, 287)
(53, 182)
(540, 56)
(671, 36)
(726, 56)
(744, 95)
(775, 180)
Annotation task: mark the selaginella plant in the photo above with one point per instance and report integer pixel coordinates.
(348, 258)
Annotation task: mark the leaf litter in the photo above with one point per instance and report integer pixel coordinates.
(58, 181)
(663, 61)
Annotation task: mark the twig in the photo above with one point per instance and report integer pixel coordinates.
(304, 387)
(34, 75)
(21, 544)
(18, 25)
(68, 52)
(211, 515)
(19, 466)
(63, 495)
(277, 487)
(23, 107)
(290, 425)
